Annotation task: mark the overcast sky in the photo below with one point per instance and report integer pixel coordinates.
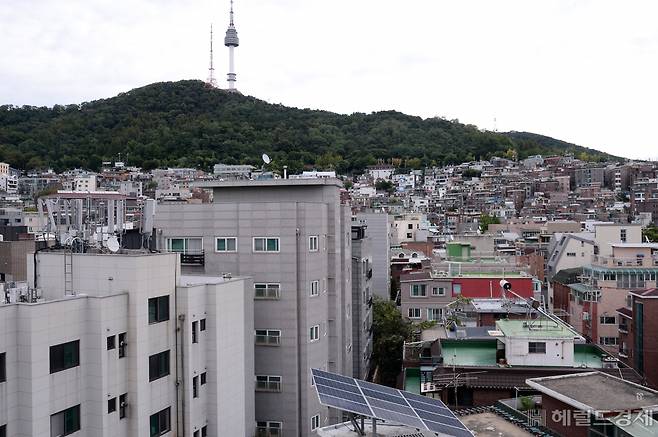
(582, 71)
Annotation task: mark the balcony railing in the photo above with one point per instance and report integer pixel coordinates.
(640, 261)
(264, 431)
(267, 293)
(193, 258)
(272, 386)
(268, 340)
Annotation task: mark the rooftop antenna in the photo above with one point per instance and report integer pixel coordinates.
(266, 158)
(211, 69)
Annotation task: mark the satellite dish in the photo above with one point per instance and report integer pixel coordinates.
(266, 158)
(113, 244)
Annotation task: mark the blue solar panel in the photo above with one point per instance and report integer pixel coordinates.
(385, 403)
(342, 404)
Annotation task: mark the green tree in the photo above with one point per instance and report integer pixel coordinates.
(383, 185)
(390, 330)
(486, 220)
(650, 233)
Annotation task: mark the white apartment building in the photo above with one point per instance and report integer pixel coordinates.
(123, 345)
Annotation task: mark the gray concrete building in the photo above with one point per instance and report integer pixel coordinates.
(135, 350)
(362, 277)
(294, 238)
(379, 232)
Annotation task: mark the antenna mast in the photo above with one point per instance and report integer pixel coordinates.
(211, 70)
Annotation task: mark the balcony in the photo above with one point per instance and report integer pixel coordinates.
(623, 328)
(268, 340)
(269, 292)
(193, 258)
(640, 261)
(269, 386)
(265, 431)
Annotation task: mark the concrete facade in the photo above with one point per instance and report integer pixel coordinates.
(294, 238)
(362, 274)
(109, 316)
(379, 232)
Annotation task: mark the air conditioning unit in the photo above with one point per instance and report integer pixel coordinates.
(586, 316)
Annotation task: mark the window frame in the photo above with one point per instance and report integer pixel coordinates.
(195, 387)
(314, 243)
(226, 244)
(314, 333)
(185, 240)
(414, 309)
(315, 422)
(195, 332)
(156, 316)
(112, 405)
(266, 241)
(3, 367)
(166, 414)
(75, 357)
(441, 291)
(76, 425)
(605, 320)
(418, 290)
(202, 325)
(204, 379)
(111, 342)
(123, 405)
(275, 287)
(122, 344)
(272, 383)
(534, 347)
(266, 335)
(163, 367)
(314, 288)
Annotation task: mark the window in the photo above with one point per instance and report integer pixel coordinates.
(414, 313)
(3, 367)
(158, 309)
(456, 288)
(195, 334)
(196, 433)
(268, 337)
(202, 325)
(536, 347)
(158, 365)
(435, 314)
(226, 244)
(160, 422)
(313, 245)
(185, 245)
(622, 235)
(418, 290)
(315, 422)
(3, 431)
(65, 422)
(266, 244)
(409, 235)
(268, 383)
(268, 429)
(122, 344)
(123, 405)
(267, 291)
(438, 291)
(608, 320)
(111, 342)
(64, 356)
(195, 387)
(571, 253)
(314, 333)
(609, 341)
(204, 378)
(111, 405)
(204, 431)
(315, 288)
(410, 226)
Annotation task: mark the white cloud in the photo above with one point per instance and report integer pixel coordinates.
(581, 71)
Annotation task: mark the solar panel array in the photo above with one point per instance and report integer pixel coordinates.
(385, 403)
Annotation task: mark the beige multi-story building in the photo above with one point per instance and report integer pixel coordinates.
(293, 236)
(121, 344)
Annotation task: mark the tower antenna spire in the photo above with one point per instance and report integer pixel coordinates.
(211, 69)
(231, 41)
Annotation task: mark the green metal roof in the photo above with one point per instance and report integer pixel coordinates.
(469, 352)
(536, 329)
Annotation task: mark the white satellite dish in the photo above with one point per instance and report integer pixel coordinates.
(113, 244)
(266, 158)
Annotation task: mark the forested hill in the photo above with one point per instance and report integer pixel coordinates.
(187, 123)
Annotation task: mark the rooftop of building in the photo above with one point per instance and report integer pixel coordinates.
(536, 328)
(244, 183)
(597, 391)
(192, 280)
(635, 245)
(346, 429)
(649, 292)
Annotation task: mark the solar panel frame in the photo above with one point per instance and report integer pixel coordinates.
(386, 403)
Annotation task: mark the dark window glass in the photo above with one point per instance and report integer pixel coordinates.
(111, 342)
(158, 365)
(202, 324)
(122, 345)
(3, 431)
(195, 387)
(65, 422)
(158, 309)
(195, 335)
(538, 347)
(160, 422)
(203, 378)
(3, 367)
(64, 356)
(123, 405)
(111, 405)
(196, 433)
(204, 431)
